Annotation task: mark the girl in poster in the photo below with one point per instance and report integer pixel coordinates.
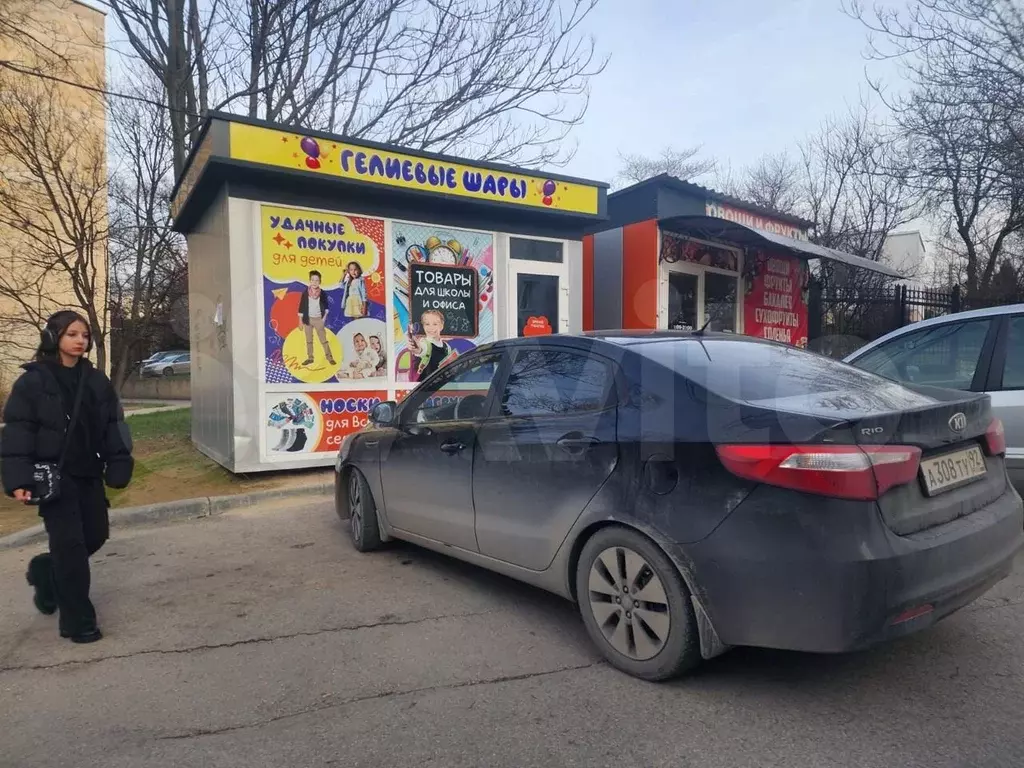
(354, 303)
(429, 351)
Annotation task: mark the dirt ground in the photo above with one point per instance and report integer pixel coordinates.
(168, 468)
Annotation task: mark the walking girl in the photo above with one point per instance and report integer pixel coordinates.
(64, 435)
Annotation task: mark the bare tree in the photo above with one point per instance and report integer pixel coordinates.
(966, 172)
(53, 202)
(31, 44)
(964, 117)
(499, 79)
(851, 180)
(683, 163)
(148, 262)
(856, 187)
(170, 38)
(953, 47)
(774, 182)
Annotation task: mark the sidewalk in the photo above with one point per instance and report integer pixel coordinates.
(141, 407)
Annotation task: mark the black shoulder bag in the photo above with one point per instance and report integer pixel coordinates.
(47, 475)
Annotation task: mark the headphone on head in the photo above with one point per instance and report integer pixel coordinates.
(49, 337)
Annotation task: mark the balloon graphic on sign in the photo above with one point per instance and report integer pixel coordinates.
(548, 190)
(312, 150)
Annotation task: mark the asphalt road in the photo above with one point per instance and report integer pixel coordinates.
(261, 638)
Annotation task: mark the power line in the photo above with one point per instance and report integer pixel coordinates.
(94, 88)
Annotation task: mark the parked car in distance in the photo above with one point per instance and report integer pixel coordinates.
(157, 356)
(693, 492)
(177, 364)
(977, 351)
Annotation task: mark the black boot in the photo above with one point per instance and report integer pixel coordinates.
(83, 637)
(40, 576)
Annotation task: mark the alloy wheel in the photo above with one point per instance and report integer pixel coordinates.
(629, 603)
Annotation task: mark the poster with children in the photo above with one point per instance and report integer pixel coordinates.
(323, 297)
(443, 297)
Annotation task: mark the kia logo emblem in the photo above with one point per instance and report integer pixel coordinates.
(958, 422)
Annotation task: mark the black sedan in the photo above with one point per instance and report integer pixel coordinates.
(693, 492)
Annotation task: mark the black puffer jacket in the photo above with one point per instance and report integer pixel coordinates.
(35, 422)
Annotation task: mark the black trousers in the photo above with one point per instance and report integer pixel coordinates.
(78, 524)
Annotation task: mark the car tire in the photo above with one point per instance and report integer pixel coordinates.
(362, 522)
(168, 371)
(635, 605)
(341, 495)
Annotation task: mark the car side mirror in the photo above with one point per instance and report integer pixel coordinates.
(383, 414)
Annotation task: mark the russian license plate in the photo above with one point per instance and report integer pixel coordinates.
(951, 470)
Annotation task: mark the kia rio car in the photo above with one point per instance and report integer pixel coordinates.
(693, 492)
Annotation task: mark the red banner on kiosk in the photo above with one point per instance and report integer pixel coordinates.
(315, 422)
(774, 306)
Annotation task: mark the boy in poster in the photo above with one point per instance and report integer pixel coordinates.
(313, 308)
(429, 351)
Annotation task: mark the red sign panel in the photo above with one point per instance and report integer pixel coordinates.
(300, 423)
(774, 307)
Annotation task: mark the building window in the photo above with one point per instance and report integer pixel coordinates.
(535, 250)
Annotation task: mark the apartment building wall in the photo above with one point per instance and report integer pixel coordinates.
(70, 45)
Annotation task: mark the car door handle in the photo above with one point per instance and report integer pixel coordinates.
(577, 442)
(452, 447)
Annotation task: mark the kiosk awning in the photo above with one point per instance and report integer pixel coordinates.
(712, 228)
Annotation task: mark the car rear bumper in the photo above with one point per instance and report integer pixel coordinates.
(784, 572)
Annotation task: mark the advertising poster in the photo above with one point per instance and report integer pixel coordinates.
(775, 307)
(444, 296)
(324, 297)
(301, 423)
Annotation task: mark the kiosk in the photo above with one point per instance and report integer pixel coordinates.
(327, 275)
(677, 256)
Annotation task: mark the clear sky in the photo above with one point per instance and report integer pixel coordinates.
(741, 77)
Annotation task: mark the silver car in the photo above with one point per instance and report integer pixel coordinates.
(977, 351)
(172, 365)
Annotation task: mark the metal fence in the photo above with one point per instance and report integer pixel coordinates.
(841, 320)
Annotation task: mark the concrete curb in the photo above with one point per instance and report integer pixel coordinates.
(179, 510)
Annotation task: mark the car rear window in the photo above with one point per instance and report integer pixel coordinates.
(752, 371)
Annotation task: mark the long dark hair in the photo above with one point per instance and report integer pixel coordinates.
(56, 326)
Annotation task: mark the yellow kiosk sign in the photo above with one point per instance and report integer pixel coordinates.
(267, 146)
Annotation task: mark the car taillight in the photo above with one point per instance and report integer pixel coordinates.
(840, 471)
(995, 438)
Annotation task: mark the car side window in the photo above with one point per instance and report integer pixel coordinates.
(460, 392)
(943, 355)
(1013, 371)
(554, 382)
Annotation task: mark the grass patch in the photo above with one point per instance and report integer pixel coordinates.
(168, 467)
